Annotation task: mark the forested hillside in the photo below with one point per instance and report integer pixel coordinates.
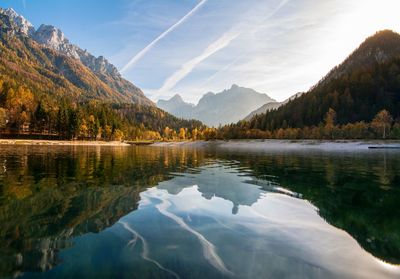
(366, 83)
(45, 92)
(358, 99)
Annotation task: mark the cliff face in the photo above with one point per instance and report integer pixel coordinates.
(103, 80)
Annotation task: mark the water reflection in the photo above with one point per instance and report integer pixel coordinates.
(194, 213)
(185, 235)
(357, 192)
(215, 181)
(48, 196)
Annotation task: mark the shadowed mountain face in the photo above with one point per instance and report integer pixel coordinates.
(46, 60)
(367, 82)
(263, 109)
(213, 109)
(270, 106)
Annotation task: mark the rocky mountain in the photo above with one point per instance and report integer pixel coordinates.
(51, 88)
(115, 88)
(54, 38)
(21, 24)
(270, 106)
(214, 109)
(367, 82)
(176, 106)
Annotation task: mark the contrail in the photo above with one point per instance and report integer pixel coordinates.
(248, 50)
(138, 56)
(214, 47)
(145, 252)
(209, 250)
(188, 67)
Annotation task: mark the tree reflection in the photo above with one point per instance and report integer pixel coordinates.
(358, 193)
(49, 195)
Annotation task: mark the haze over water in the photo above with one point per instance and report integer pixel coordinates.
(150, 212)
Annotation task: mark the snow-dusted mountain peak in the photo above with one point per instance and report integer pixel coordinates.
(24, 26)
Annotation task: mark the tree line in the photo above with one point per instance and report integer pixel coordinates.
(24, 112)
(382, 126)
(357, 90)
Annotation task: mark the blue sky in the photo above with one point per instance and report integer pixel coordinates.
(190, 47)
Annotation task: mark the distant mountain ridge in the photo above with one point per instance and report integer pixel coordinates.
(119, 89)
(270, 106)
(214, 109)
(176, 105)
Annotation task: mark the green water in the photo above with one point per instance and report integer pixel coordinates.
(151, 212)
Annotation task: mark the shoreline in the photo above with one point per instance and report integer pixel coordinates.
(60, 142)
(288, 145)
(244, 144)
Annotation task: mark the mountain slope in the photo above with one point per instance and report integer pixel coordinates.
(53, 38)
(46, 91)
(365, 83)
(47, 54)
(176, 106)
(263, 109)
(228, 106)
(269, 106)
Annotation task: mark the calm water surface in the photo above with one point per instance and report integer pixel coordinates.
(151, 212)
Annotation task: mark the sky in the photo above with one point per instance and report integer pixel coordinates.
(191, 47)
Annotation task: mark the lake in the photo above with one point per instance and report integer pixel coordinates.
(198, 212)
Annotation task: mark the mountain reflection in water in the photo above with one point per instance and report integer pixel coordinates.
(189, 213)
